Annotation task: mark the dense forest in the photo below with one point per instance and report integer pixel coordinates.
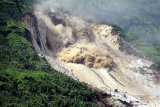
(26, 80)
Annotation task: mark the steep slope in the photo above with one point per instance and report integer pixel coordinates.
(90, 52)
(27, 79)
(140, 20)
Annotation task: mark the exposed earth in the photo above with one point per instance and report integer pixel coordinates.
(90, 53)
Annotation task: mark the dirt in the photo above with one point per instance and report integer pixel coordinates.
(90, 53)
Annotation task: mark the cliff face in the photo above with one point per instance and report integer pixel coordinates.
(90, 52)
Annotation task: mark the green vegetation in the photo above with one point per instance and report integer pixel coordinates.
(27, 80)
(149, 48)
(21, 87)
(143, 31)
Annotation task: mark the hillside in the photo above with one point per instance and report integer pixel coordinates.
(93, 53)
(26, 80)
(50, 57)
(140, 20)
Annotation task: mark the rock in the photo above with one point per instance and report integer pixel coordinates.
(89, 58)
(89, 64)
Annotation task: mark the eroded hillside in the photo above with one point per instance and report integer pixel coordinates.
(90, 52)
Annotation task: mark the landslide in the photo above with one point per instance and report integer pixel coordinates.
(26, 79)
(90, 52)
